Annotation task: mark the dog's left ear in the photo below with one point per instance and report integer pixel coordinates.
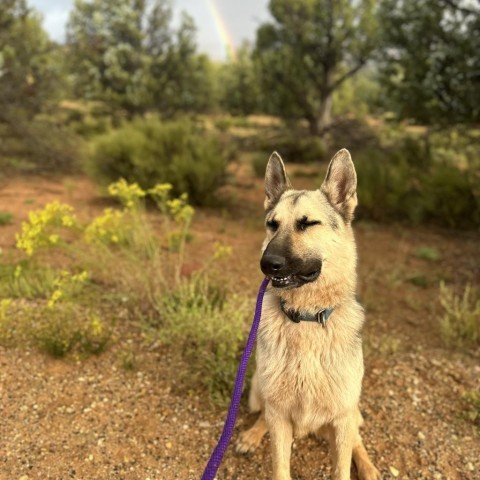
(340, 184)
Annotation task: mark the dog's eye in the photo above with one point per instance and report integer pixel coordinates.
(272, 225)
(304, 223)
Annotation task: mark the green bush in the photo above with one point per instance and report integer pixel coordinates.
(193, 319)
(409, 181)
(294, 148)
(259, 164)
(149, 152)
(460, 323)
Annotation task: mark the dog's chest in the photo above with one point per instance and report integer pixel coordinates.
(307, 370)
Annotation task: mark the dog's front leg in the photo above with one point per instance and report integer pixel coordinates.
(281, 435)
(343, 438)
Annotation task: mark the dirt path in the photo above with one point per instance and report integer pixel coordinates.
(92, 419)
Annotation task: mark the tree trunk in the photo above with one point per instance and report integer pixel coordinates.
(325, 113)
(319, 121)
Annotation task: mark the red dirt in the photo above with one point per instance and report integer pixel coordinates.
(91, 419)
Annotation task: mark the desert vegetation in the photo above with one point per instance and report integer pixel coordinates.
(131, 170)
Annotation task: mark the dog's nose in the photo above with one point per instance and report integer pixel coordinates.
(272, 264)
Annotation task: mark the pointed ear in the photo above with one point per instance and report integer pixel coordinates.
(340, 184)
(276, 181)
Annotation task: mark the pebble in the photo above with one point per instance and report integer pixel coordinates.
(394, 471)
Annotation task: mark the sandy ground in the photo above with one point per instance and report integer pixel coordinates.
(92, 419)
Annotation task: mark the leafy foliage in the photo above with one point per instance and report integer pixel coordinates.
(240, 86)
(31, 80)
(149, 152)
(308, 52)
(390, 189)
(128, 55)
(429, 58)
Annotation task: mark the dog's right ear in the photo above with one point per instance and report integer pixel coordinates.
(276, 181)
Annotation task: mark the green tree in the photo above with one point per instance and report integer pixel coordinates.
(31, 78)
(27, 60)
(179, 78)
(430, 59)
(240, 87)
(107, 62)
(127, 54)
(309, 50)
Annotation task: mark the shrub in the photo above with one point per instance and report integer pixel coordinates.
(5, 218)
(460, 324)
(294, 148)
(472, 398)
(148, 152)
(259, 164)
(407, 181)
(193, 318)
(58, 325)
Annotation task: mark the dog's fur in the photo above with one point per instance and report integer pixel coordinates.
(308, 378)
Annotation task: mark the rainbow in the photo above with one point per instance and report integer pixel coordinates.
(221, 26)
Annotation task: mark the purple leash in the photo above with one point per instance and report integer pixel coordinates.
(219, 452)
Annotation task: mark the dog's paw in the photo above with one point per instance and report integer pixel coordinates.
(369, 472)
(248, 441)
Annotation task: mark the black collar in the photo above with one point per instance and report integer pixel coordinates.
(320, 317)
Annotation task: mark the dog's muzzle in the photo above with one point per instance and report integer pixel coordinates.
(289, 274)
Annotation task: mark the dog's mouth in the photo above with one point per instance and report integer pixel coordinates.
(294, 280)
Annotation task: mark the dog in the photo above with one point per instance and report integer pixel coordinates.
(309, 361)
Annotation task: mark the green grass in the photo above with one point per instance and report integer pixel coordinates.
(430, 254)
(472, 397)
(209, 327)
(6, 218)
(460, 322)
(118, 266)
(58, 330)
(418, 280)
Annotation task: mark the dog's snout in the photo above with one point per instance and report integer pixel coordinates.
(272, 264)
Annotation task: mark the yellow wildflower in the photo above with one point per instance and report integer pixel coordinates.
(128, 194)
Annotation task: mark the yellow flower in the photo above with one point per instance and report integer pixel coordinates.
(53, 239)
(36, 232)
(4, 306)
(221, 251)
(107, 228)
(128, 194)
(96, 326)
(56, 295)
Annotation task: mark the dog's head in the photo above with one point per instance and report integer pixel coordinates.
(308, 232)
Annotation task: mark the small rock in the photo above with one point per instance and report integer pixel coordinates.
(394, 471)
(470, 466)
(421, 436)
(168, 445)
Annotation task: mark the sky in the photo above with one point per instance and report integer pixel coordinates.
(219, 22)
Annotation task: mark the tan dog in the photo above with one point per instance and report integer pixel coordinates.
(309, 351)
